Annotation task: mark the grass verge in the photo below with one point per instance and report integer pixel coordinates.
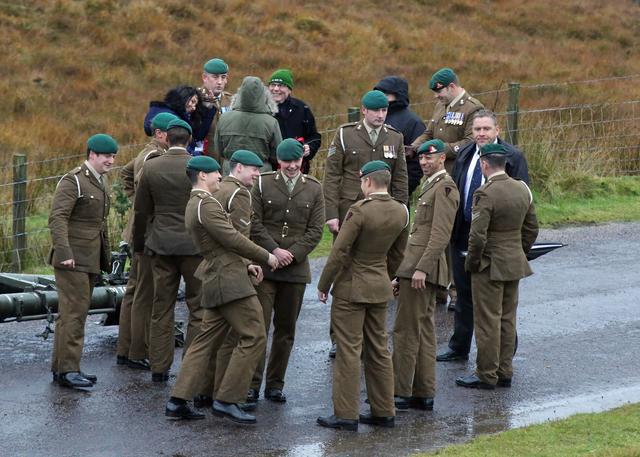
(614, 433)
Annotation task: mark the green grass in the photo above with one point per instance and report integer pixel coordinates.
(614, 433)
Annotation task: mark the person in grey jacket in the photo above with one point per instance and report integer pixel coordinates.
(249, 125)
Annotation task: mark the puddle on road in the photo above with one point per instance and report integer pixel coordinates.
(533, 413)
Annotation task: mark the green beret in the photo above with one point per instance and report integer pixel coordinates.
(375, 99)
(290, 149)
(431, 147)
(246, 158)
(216, 67)
(102, 143)
(203, 163)
(493, 148)
(373, 166)
(282, 76)
(177, 122)
(442, 78)
(161, 121)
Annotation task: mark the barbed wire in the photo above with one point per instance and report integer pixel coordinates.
(584, 81)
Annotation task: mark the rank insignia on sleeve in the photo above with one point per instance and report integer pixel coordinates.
(331, 151)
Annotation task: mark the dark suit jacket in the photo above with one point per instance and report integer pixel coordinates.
(516, 167)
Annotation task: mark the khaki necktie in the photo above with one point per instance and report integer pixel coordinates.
(373, 134)
(290, 185)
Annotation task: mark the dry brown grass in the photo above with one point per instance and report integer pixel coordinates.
(71, 68)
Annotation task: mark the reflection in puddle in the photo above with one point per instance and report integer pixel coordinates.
(534, 412)
(305, 450)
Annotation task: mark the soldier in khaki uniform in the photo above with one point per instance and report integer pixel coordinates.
(503, 229)
(215, 76)
(450, 122)
(354, 145)
(229, 300)
(135, 310)
(235, 197)
(369, 246)
(159, 231)
(423, 269)
(80, 251)
(287, 221)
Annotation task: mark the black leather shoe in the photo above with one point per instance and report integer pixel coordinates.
(233, 412)
(451, 356)
(377, 420)
(202, 401)
(90, 377)
(73, 379)
(473, 382)
(179, 409)
(160, 377)
(402, 403)
(252, 396)
(139, 364)
(423, 403)
(333, 351)
(337, 423)
(121, 359)
(248, 406)
(275, 395)
(504, 382)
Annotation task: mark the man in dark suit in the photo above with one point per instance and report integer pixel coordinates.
(468, 177)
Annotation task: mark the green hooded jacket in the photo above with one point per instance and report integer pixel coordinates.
(250, 123)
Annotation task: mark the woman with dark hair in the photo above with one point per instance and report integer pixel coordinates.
(183, 101)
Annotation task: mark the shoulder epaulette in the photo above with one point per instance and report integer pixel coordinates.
(267, 173)
(471, 99)
(76, 170)
(348, 124)
(391, 127)
(311, 178)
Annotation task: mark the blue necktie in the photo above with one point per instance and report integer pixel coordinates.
(476, 180)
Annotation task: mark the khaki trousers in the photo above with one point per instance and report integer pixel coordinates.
(135, 310)
(167, 271)
(414, 342)
(360, 332)
(494, 321)
(244, 316)
(282, 302)
(74, 299)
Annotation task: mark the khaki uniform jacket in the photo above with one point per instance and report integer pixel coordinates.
(367, 251)
(223, 271)
(222, 106)
(503, 229)
(350, 149)
(161, 198)
(235, 198)
(434, 215)
(130, 176)
(289, 221)
(78, 222)
(452, 126)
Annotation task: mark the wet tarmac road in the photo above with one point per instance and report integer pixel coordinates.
(579, 329)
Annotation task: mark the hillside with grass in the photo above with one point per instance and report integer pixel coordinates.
(70, 68)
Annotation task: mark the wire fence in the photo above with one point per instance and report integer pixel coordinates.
(597, 139)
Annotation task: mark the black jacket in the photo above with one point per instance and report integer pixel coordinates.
(516, 167)
(400, 117)
(296, 121)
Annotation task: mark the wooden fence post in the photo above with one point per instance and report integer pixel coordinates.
(513, 109)
(19, 210)
(353, 114)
